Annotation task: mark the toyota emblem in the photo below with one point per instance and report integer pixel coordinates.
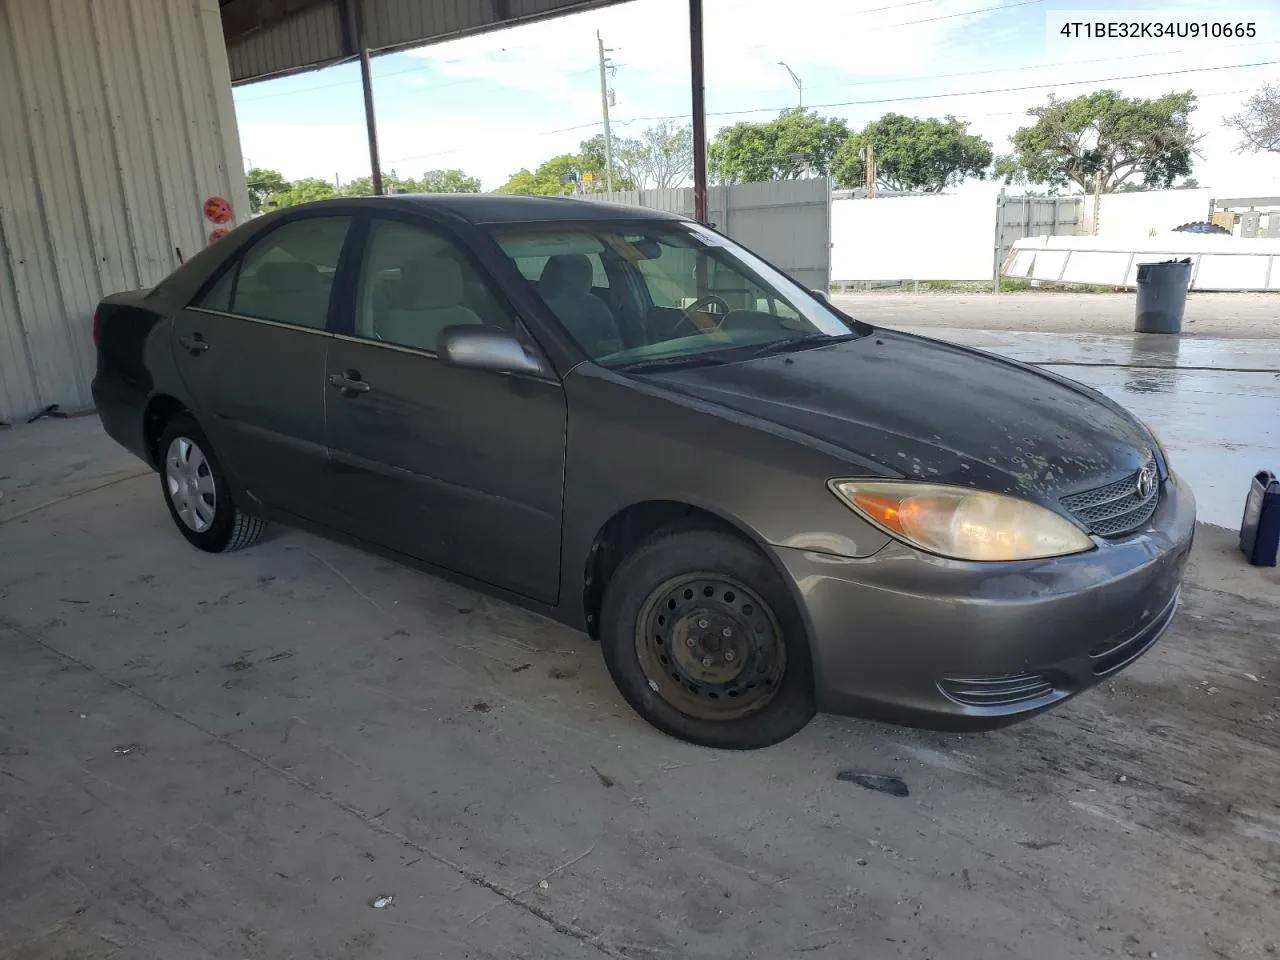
(1146, 481)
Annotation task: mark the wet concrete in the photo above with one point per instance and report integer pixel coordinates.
(1214, 402)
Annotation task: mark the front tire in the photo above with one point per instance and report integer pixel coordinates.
(704, 641)
(197, 493)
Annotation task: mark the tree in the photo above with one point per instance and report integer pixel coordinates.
(561, 176)
(781, 149)
(914, 154)
(262, 184)
(660, 157)
(301, 191)
(1259, 122)
(447, 181)
(1107, 136)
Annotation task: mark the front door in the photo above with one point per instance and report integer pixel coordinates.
(251, 351)
(460, 468)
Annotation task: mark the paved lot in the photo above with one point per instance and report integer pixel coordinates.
(1247, 315)
(231, 756)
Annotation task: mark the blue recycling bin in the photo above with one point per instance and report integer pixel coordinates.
(1260, 528)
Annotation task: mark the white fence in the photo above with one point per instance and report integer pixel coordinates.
(1135, 215)
(1219, 262)
(940, 237)
(787, 221)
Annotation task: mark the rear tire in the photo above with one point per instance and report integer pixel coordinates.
(197, 493)
(703, 640)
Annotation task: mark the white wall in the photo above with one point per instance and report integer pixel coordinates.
(1131, 215)
(116, 123)
(949, 237)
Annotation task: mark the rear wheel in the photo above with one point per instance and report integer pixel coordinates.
(197, 493)
(704, 641)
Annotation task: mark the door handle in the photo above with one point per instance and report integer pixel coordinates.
(349, 383)
(194, 344)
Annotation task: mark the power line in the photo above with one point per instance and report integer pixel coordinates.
(1029, 66)
(942, 96)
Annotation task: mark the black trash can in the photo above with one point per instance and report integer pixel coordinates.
(1162, 296)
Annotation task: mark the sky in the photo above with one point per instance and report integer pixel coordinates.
(494, 103)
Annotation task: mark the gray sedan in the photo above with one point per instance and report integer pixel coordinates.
(759, 506)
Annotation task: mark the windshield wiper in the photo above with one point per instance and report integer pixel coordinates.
(699, 359)
(799, 343)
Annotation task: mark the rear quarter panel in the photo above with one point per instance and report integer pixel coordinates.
(135, 365)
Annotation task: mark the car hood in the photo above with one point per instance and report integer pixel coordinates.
(928, 410)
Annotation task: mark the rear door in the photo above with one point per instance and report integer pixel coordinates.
(460, 468)
(251, 350)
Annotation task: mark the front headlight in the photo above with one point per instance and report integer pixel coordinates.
(962, 524)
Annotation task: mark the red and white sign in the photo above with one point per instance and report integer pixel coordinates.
(217, 210)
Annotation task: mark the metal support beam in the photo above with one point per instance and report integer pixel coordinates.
(699, 112)
(371, 126)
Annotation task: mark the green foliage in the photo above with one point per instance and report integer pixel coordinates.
(566, 174)
(751, 152)
(301, 191)
(269, 190)
(913, 154)
(447, 181)
(262, 184)
(1104, 135)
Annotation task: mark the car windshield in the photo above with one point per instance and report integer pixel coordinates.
(636, 294)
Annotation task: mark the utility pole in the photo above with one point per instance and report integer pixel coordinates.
(1097, 201)
(698, 87)
(869, 161)
(604, 108)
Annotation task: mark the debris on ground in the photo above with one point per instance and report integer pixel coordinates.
(521, 667)
(1122, 779)
(894, 786)
(1250, 676)
(543, 885)
(125, 749)
(605, 779)
(481, 707)
(52, 410)
(382, 901)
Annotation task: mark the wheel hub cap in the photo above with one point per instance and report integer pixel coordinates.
(189, 480)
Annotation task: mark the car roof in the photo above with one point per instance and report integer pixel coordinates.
(490, 208)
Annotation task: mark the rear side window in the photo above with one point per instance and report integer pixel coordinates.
(287, 276)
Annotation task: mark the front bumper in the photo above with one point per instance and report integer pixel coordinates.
(920, 640)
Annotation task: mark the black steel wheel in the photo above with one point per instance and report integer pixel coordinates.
(703, 639)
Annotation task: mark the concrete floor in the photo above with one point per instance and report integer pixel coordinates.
(232, 756)
(1049, 310)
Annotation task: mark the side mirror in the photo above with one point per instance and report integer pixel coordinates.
(487, 348)
(821, 294)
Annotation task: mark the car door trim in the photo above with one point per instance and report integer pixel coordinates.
(320, 331)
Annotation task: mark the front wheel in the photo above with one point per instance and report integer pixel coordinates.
(703, 640)
(198, 494)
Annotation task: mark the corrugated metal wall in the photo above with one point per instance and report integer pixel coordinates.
(788, 222)
(116, 123)
(313, 38)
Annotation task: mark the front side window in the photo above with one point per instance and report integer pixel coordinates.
(287, 276)
(414, 283)
(692, 293)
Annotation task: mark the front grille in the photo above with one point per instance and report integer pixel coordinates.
(1116, 508)
(1110, 655)
(996, 691)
